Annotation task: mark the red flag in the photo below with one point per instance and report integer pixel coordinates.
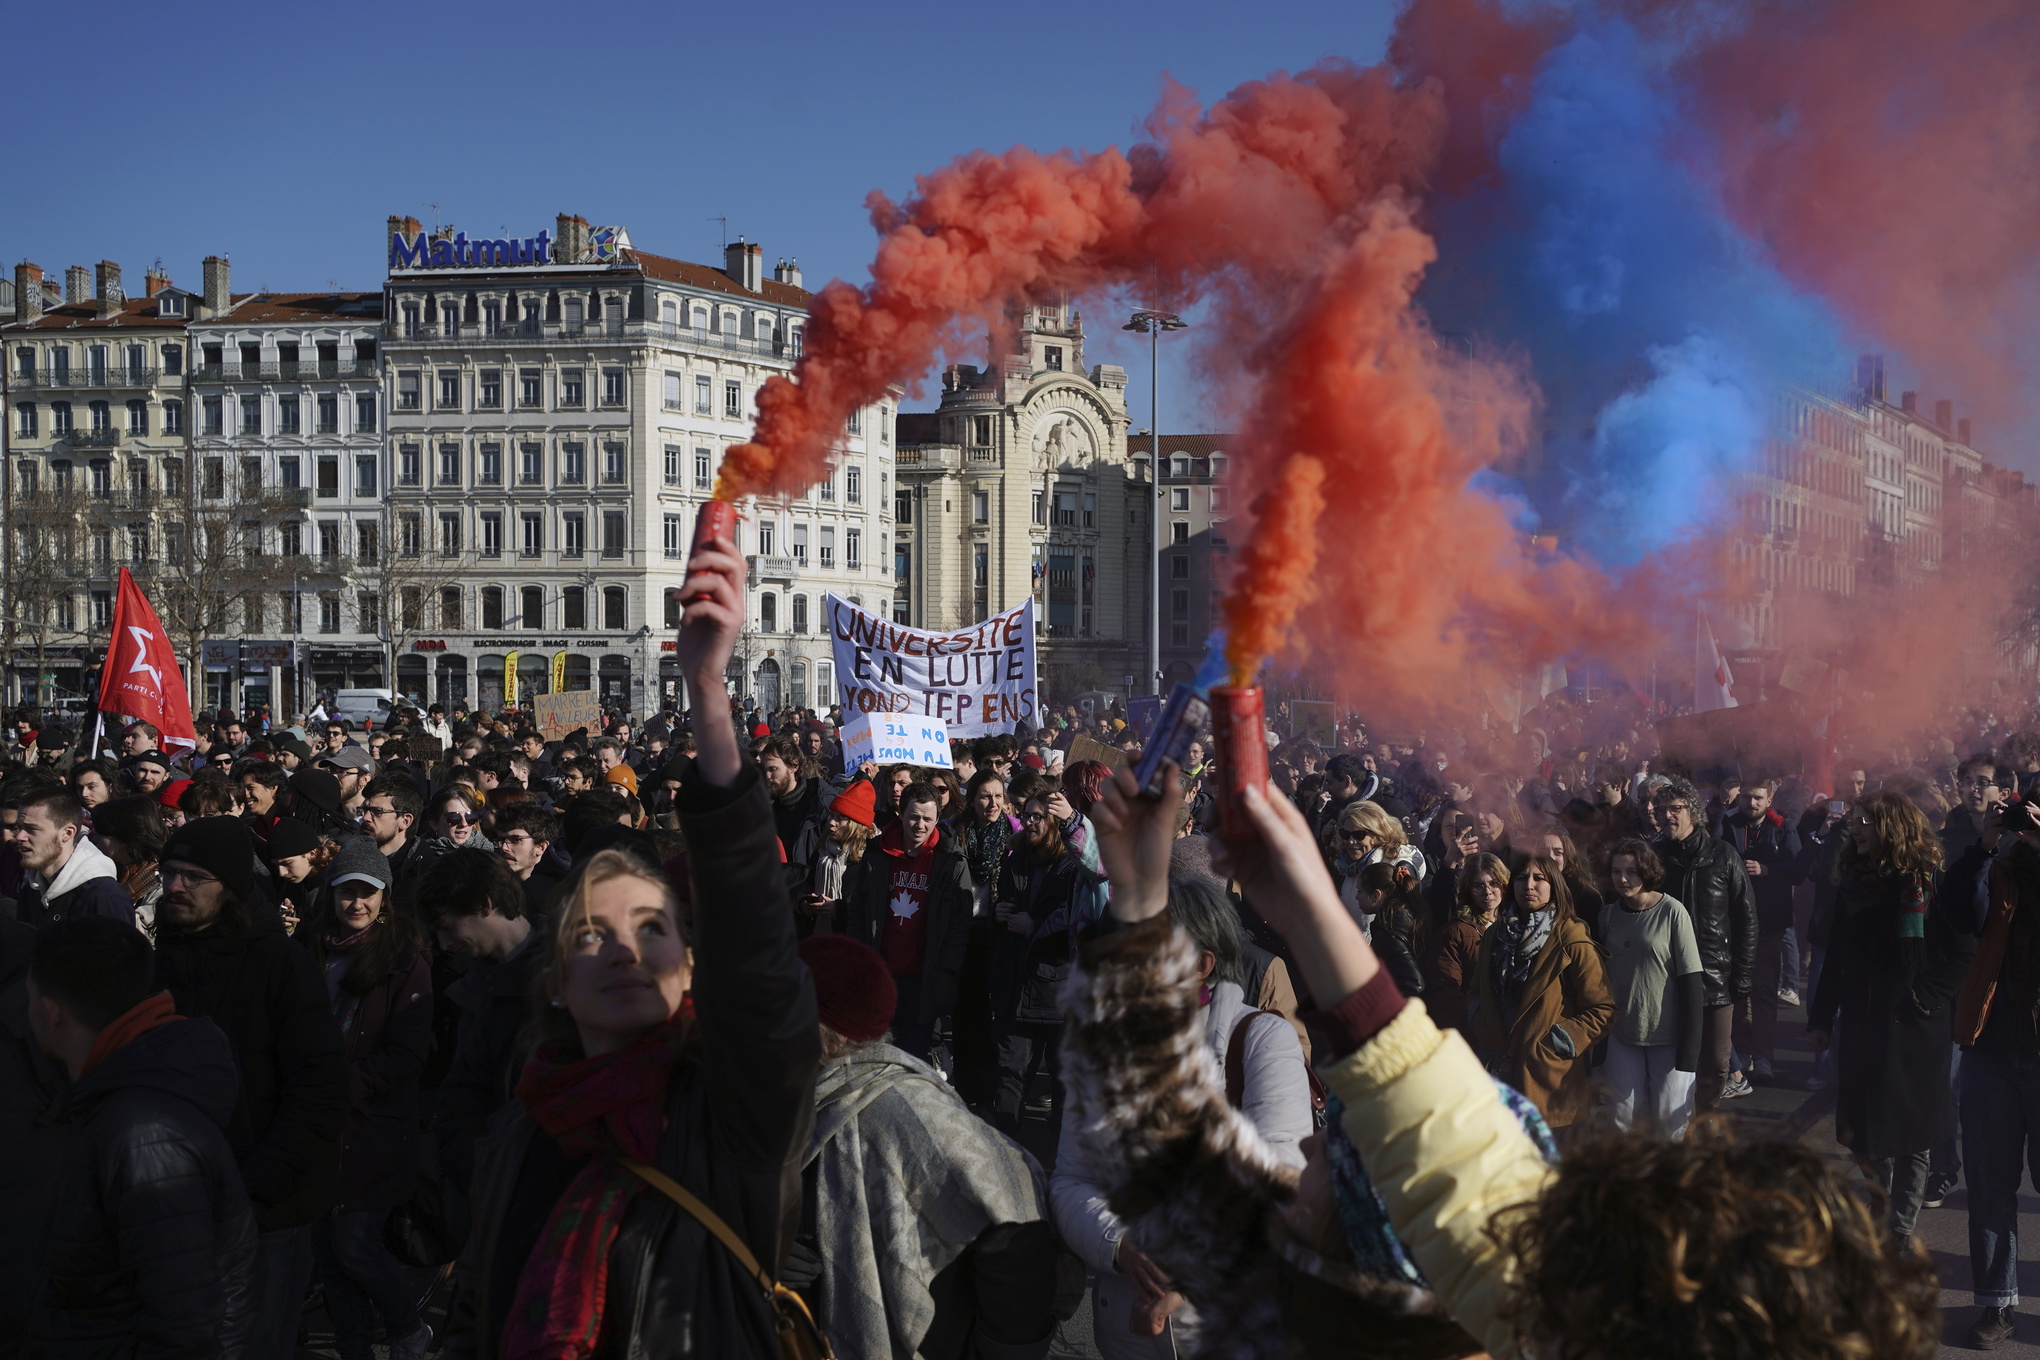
(141, 679)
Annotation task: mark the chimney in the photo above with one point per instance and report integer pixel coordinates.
(787, 271)
(1962, 432)
(219, 292)
(744, 263)
(106, 287)
(77, 282)
(1909, 401)
(570, 238)
(1944, 414)
(28, 291)
(155, 281)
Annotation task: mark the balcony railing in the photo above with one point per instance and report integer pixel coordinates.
(300, 370)
(779, 569)
(87, 377)
(92, 439)
(776, 348)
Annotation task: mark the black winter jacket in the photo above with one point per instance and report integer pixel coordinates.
(31, 1144)
(267, 994)
(1707, 876)
(800, 818)
(1773, 843)
(152, 1244)
(950, 906)
(493, 1001)
(739, 1110)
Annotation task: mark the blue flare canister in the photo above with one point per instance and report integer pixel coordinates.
(1183, 717)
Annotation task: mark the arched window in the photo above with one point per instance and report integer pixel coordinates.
(800, 613)
(573, 608)
(532, 599)
(612, 608)
(768, 613)
(492, 606)
(669, 313)
(700, 321)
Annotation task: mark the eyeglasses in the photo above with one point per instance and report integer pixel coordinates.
(1352, 835)
(458, 818)
(378, 811)
(1982, 784)
(193, 878)
(515, 838)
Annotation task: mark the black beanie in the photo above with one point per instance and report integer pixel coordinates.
(288, 838)
(222, 847)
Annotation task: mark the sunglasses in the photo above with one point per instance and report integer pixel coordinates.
(458, 818)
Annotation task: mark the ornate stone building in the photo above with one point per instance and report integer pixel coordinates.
(1020, 482)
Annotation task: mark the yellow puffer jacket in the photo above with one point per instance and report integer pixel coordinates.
(1446, 1155)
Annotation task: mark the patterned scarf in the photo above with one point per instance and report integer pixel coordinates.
(985, 847)
(1370, 1235)
(1519, 939)
(603, 1109)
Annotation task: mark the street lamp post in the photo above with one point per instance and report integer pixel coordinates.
(1153, 323)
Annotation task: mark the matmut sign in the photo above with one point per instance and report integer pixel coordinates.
(977, 680)
(419, 252)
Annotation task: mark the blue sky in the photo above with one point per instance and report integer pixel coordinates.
(283, 134)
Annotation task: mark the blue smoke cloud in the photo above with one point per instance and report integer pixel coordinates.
(1659, 335)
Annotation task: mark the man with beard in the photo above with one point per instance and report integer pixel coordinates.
(1707, 876)
(800, 804)
(222, 953)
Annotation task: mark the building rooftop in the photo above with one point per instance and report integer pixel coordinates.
(141, 311)
(716, 281)
(252, 308)
(1192, 445)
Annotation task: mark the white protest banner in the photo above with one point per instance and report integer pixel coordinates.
(976, 681)
(895, 739)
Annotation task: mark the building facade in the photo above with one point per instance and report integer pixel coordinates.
(96, 450)
(557, 410)
(1020, 482)
(1855, 493)
(1195, 507)
(286, 406)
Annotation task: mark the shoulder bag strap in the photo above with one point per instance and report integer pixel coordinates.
(1236, 1060)
(707, 1217)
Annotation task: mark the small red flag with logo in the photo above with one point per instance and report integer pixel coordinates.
(141, 679)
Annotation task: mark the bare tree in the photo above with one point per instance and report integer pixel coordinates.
(398, 564)
(48, 531)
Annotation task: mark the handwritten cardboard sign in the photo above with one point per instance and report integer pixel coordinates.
(895, 739)
(1090, 748)
(559, 714)
(975, 681)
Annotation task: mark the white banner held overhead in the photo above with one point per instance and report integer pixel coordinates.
(976, 681)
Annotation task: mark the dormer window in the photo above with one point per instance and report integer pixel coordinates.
(170, 304)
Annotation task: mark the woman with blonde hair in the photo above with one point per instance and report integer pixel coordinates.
(578, 1245)
(1894, 964)
(1452, 952)
(1368, 835)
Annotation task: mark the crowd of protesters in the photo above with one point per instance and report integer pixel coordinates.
(502, 1045)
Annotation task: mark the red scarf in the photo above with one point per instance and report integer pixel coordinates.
(603, 1109)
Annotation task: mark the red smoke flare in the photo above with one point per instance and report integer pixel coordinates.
(1287, 209)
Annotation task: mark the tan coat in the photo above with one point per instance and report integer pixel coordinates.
(1567, 988)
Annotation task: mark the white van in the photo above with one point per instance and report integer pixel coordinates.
(363, 707)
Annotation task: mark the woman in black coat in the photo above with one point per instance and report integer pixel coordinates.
(1894, 964)
(380, 980)
(689, 1046)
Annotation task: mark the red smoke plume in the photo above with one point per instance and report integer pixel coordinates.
(1287, 208)
(1888, 153)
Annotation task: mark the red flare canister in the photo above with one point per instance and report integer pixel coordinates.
(718, 519)
(1238, 731)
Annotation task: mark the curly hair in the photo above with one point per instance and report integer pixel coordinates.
(1709, 1249)
(1906, 843)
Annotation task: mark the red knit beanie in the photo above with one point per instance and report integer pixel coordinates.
(854, 992)
(858, 802)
